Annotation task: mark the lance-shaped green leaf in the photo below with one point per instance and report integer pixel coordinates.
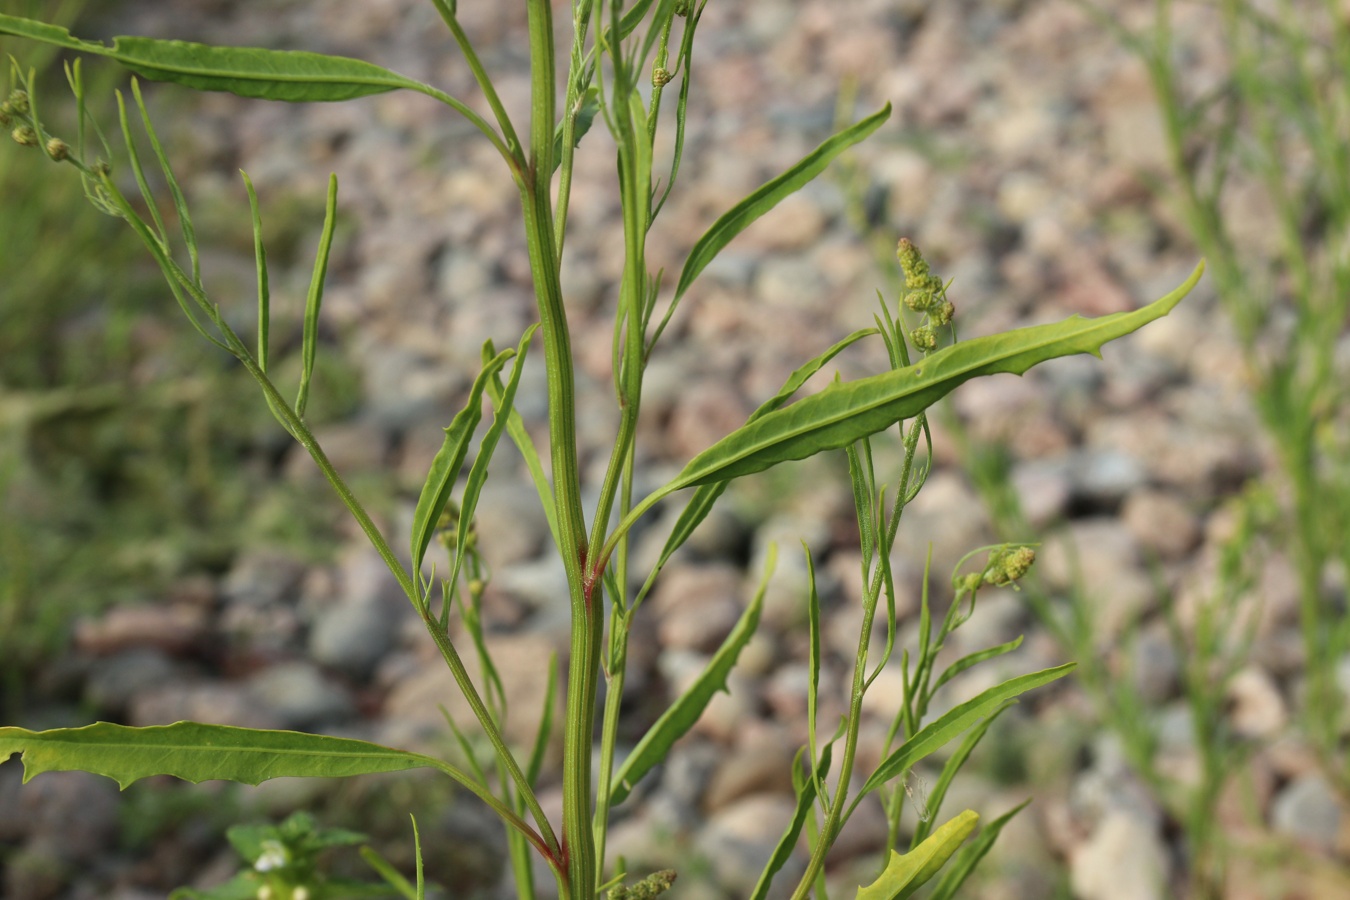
(907, 872)
(956, 720)
(684, 712)
(765, 198)
(196, 752)
(768, 195)
(293, 75)
(849, 411)
(445, 467)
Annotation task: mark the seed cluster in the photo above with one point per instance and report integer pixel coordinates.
(926, 293)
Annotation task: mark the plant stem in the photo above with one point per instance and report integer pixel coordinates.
(578, 844)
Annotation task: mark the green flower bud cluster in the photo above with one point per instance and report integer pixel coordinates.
(648, 888)
(682, 7)
(926, 293)
(661, 76)
(1008, 565)
(24, 136)
(15, 105)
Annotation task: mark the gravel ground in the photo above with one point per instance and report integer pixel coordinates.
(1019, 158)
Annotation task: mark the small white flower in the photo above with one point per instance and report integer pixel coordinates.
(300, 893)
(273, 856)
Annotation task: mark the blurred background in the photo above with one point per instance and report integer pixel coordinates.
(167, 553)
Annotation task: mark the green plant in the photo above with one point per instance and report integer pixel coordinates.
(1262, 145)
(283, 864)
(113, 486)
(614, 52)
(1273, 128)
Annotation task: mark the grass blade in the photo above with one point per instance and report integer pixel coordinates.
(684, 712)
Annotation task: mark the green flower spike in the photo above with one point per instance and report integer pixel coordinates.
(648, 888)
(913, 265)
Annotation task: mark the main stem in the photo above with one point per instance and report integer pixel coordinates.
(578, 845)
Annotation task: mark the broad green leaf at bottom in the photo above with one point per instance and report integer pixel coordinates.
(196, 752)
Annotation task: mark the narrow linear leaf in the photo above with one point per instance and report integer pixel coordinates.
(907, 872)
(970, 855)
(503, 405)
(291, 75)
(956, 720)
(445, 467)
(684, 712)
(975, 659)
(314, 300)
(849, 411)
(260, 263)
(740, 216)
(196, 753)
(806, 798)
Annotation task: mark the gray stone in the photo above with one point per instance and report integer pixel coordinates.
(696, 606)
(300, 696)
(1307, 811)
(511, 523)
(1162, 523)
(762, 763)
(170, 628)
(114, 681)
(1256, 708)
(412, 709)
(739, 839)
(1100, 558)
(1104, 475)
(1154, 666)
(1125, 859)
(262, 578)
(200, 701)
(355, 632)
(74, 813)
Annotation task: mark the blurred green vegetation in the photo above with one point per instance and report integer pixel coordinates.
(129, 456)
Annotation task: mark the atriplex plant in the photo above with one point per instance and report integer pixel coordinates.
(614, 51)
